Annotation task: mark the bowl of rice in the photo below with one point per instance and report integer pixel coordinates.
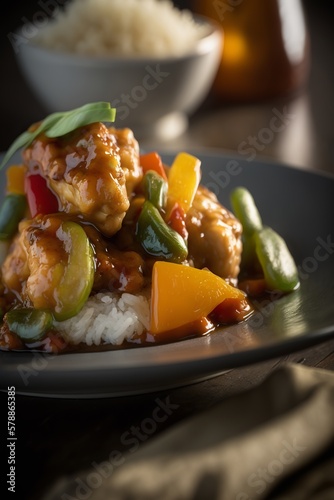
(153, 62)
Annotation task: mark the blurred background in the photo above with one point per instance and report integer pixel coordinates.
(237, 115)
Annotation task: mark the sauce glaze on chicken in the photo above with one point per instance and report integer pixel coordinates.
(96, 175)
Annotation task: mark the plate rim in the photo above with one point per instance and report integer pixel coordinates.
(228, 360)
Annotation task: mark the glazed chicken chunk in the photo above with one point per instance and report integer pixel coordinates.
(30, 268)
(214, 236)
(92, 170)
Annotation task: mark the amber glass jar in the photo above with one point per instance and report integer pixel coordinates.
(266, 47)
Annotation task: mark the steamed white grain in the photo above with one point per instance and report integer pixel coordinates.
(107, 318)
(122, 27)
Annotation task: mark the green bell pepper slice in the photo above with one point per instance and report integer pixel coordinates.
(278, 265)
(12, 212)
(157, 238)
(29, 324)
(155, 189)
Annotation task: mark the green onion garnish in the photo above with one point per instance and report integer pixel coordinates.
(61, 123)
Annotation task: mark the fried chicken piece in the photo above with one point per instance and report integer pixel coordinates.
(214, 236)
(92, 170)
(37, 250)
(15, 269)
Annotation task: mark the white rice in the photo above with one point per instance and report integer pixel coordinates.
(107, 318)
(122, 27)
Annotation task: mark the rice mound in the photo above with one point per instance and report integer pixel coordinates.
(107, 318)
(122, 27)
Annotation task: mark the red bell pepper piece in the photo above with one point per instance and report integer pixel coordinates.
(152, 161)
(41, 199)
(231, 310)
(177, 221)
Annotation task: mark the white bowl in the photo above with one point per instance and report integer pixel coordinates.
(152, 96)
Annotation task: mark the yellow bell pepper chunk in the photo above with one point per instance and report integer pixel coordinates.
(183, 180)
(182, 294)
(15, 179)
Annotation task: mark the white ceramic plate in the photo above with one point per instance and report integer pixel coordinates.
(300, 206)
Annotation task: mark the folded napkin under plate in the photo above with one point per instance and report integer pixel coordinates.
(274, 441)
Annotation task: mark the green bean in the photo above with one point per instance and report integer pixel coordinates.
(278, 265)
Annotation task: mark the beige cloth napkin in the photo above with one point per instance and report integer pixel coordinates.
(275, 441)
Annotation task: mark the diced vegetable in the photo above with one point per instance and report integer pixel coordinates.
(59, 124)
(183, 294)
(177, 221)
(157, 238)
(245, 210)
(278, 266)
(75, 280)
(29, 324)
(262, 246)
(152, 161)
(155, 189)
(11, 212)
(15, 179)
(231, 310)
(183, 180)
(41, 199)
